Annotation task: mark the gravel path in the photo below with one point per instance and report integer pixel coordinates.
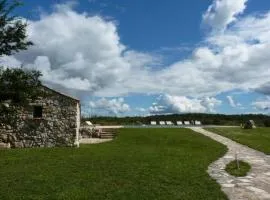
(254, 186)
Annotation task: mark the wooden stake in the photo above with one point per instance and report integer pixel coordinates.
(237, 161)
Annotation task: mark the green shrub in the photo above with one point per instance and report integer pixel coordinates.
(266, 123)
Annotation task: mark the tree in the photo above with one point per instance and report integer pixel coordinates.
(267, 123)
(13, 37)
(17, 86)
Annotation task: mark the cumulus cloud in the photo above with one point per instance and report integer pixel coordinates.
(237, 58)
(78, 51)
(210, 103)
(81, 52)
(262, 105)
(223, 12)
(141, 109)
(264, 88)
(231, 101)
(168, 104)
(9, 61)
(113, 106)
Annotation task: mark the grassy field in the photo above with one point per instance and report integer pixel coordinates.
(258, 138)
(139, 164)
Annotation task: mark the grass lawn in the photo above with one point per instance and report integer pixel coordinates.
(139, 164)
(240, 169)
(258, 138)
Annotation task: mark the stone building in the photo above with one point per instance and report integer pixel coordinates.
(51, 120)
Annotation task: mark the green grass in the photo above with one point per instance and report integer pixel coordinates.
(233, 169)
(139, 164)
(258, 138)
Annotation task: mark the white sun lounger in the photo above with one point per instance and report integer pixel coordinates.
(186, 122)
(198, 123)
(179, 123)
(153, 123)
(169, 123)
(162, 123)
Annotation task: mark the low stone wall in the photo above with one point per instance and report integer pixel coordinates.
(89, 132)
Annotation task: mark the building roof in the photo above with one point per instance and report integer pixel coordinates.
(60, 93)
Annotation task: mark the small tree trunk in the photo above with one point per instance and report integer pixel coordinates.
(237, 161)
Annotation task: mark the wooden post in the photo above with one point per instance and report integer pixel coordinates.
(237, 161)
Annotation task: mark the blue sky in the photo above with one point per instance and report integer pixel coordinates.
(153, 57)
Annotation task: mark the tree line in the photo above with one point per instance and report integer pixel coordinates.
(206, 119)
(17, 85)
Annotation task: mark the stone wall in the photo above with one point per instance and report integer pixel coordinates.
(57, 126)
(89, 132)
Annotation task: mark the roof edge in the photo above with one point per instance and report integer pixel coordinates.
(60, 93)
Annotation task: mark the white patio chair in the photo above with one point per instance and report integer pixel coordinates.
(153, 123)
(179, 123)
(169, 123)
(162, 123)
(198, 123)
(186, 122)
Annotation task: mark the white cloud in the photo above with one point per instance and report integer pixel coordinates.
(168, 104)
(231, 101)
(78, 51)
(112, 106)
(9, 61)
(223, 12)
(141, 109)
(81, 52)
(264, 88)
(210, 103)
(262, 105)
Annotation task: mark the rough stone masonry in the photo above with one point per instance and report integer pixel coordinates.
(51, 120)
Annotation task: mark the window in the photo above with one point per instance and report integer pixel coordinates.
(37, 112)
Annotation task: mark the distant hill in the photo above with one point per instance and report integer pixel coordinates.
(206, 119)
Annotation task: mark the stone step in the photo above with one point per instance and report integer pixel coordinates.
(107, 134)
(106, 137)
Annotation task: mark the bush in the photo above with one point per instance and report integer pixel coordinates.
(267, 123)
